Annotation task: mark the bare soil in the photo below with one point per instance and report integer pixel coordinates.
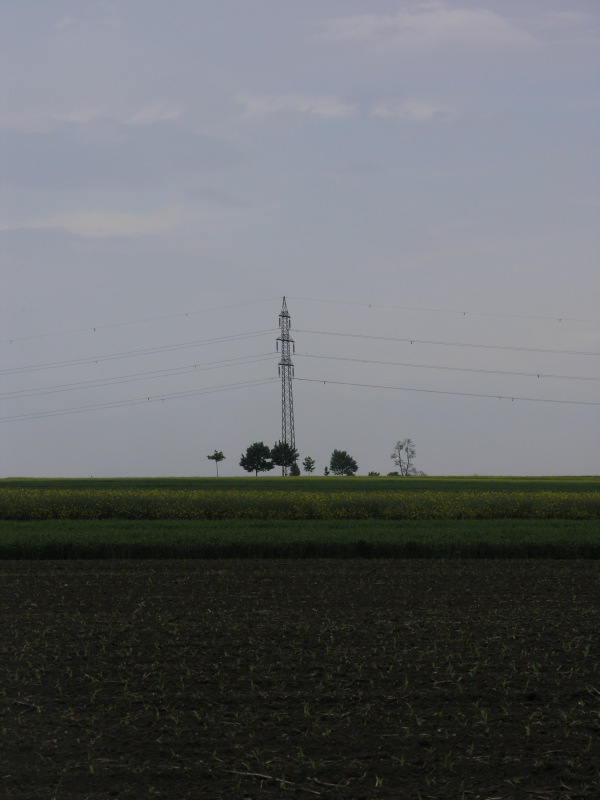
(342, 679)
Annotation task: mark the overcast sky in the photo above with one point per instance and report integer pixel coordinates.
(172, 168)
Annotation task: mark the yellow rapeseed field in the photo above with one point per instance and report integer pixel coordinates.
(141, 504)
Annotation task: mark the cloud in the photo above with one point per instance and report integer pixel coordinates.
(562, 19)
(430, 25)
(82, 116)
(65, 22)
(99, 223)
(106, 153)
(315, 106)
(152, 114)
(414, 110)
(144, 116)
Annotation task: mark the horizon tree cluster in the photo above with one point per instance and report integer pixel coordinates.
(259, 457)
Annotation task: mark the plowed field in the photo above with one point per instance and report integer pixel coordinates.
(251, 679)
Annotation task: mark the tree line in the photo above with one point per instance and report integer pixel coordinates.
(259, 457)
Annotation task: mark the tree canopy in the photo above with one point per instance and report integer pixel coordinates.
(308, 464)
(284, 456)
(257, 458)
(403, 456)
(341, 463)
(216, 457)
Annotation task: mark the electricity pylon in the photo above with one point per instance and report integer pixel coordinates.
(286, 372)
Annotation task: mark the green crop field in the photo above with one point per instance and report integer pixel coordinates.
(300, 517)
(305, 483)
(237, 538)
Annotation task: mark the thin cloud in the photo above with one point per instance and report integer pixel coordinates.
(148, 116)
(430, 25)
(101, 224)
(82, 116)
(572, 28)
(414, 111)
(315, 106)
(143, 116)
(75, 157)
(65, 22)
(562, 19)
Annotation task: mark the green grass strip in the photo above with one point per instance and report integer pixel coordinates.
(70, 539)
(318, 483)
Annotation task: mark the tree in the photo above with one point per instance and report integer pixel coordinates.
(284, 455)
(341, 463)
(404, 455)
(308, 464)
(295, 470)
(257, 458)
(216, 457)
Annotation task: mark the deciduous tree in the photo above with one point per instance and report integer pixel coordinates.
(257, 458)
(404, 455)
(341, 463)
(308, 464)
(284, 456)
(216, 457)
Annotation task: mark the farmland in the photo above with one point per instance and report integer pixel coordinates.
(312, 483)
(344, 638)
(284, 517)
(275, 678)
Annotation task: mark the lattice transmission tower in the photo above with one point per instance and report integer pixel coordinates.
(286, 372)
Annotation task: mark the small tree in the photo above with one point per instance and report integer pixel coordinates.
(294, 470)
(308, 464)
(341, 463)
(257, 458)
(284, 456)
(404, 455)
(216, 457)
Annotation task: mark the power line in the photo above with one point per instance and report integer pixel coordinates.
(450, 344)
(136, 376)
(96, 328)
(136, 401)
(452, 369)
(440, 391)
(183, 314)
(135, 353)
(448, 311)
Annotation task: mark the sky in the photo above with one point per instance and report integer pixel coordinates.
(419, 180)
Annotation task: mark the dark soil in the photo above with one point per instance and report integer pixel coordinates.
(342, 679)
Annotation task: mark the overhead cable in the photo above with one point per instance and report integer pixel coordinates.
(452, 369)
(136, 401)
(183, 314)
(135, 353)
(456, 312)
(441, 391)
(137, 376)
(95, 328)
(450, 344)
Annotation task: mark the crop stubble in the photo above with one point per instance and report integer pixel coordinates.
(250, 679)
